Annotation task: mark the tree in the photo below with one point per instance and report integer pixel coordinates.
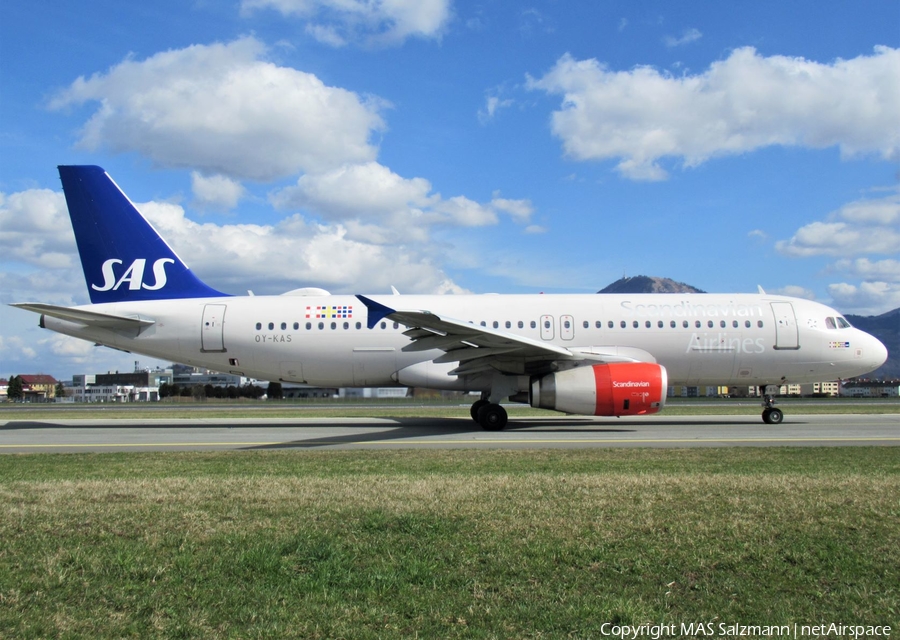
(275, 391)
(60, 391)
(14, 390)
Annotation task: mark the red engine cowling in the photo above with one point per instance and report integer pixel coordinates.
(618, 389)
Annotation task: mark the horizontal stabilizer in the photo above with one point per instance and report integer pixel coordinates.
(89, 318)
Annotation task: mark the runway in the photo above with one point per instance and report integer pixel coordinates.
(201, 434)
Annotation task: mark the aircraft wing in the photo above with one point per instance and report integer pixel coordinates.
(478, 348)
(89, 318)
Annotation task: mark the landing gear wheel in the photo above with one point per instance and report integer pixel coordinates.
(476, 406)
(772, 416)
(492, 417)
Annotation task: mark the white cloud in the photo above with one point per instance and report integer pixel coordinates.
(36, 229)
(295, 253)
(224, 109)
(493, 103)
(373, 22)
(520, 210)
(216, 192)
(870, 226)
(795, 291)
(376, 205)
(688, 36)
(868, 298)
(854, 232)
(883, 270)
(739, 104)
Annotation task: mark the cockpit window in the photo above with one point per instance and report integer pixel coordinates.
(842, 323)
(829, 323)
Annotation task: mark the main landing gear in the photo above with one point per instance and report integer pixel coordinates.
(770, 414)
(491, 417)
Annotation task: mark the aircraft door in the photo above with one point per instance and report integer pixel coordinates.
(546, 327)
(566, 327)
(212, 329)
(786, 332)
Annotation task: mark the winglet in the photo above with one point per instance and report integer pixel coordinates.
(376, 311)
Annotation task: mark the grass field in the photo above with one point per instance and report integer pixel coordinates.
(466, 544)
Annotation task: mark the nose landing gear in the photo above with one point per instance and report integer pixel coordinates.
(770, 414)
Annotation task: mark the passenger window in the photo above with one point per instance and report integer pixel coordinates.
(508, 324)
(258, 326)
(660, 324)
(321, 326)
(747, 323)
(396, 325)
(709, 323)
(722, 324)
(333, 326)
(271, 326)
(283, 326)
(684, 323)
(759, 323)
(546, 324)
(359, 325)
(623, 324)
(647, 324)
(567, 324)
(734, 323)
(521, 324)
(346, 325)
(533, 324)
(635, 324)
(496, 324)
(483, 323)
(384, 325)
(586, 324)
(296, 326)
(697, 324)
(672, 324)
(611, 324)
(308, 326)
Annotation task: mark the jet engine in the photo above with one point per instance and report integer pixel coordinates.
(617, 389)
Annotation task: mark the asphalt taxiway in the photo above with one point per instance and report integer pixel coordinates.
(33, 436)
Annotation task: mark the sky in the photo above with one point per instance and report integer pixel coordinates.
(445, 146)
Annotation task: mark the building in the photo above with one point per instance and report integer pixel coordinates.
(379, 393)
(871, 389)
(821, 389)
(38, 387)
(687, 391)
(136, 386)
(187, 376)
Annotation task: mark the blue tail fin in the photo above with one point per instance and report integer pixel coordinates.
(122, 255)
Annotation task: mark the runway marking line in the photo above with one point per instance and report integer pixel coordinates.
(438, 442)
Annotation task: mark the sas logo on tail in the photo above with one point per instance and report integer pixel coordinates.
(133, 275)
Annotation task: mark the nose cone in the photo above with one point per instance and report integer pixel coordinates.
(876, 353)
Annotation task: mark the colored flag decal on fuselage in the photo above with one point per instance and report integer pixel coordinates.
(329, 312)
(838, 345)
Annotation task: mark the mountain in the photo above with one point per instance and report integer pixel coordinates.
(886, 328)
(648, 284)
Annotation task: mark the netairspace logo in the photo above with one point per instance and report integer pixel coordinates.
(729, 630)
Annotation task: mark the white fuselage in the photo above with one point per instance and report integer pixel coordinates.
(701, 339)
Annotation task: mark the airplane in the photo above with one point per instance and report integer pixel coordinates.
(586, 354)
